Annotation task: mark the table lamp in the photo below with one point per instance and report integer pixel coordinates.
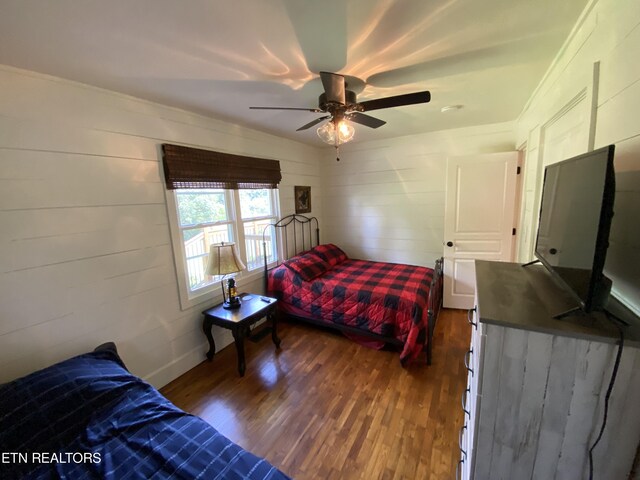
(224, 260)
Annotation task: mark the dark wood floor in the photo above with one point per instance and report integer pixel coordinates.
(325, 407)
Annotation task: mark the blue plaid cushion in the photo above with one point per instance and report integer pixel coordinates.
(88, 418)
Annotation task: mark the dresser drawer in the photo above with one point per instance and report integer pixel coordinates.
(478, 339)
(462, 470)
(472, 396)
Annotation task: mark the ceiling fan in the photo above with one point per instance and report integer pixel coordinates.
(342, 107)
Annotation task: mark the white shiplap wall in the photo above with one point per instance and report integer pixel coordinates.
(384, 200)
(609, 33)
(85, 248)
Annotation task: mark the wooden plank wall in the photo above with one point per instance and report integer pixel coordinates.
(385, 199)
(609, 33)
(86, 255)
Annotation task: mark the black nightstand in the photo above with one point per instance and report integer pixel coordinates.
(239, 321)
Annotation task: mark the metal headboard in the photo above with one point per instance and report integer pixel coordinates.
(296, 235)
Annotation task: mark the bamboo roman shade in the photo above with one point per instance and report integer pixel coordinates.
(186, 167)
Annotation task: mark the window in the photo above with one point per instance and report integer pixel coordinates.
(215, 197)
(201, 217)
(257, 210)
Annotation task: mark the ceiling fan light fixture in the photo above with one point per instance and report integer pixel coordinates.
(336, 134)
(345, 131)
(326, 132)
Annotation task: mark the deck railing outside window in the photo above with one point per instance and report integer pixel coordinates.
(197, 249)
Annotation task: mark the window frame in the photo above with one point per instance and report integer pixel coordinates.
(212, 291)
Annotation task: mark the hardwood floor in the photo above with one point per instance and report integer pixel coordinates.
(326, 407)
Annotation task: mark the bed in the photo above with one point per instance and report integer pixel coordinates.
(375, 303)
(88, 417)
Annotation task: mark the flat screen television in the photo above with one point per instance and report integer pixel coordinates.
(575, 219)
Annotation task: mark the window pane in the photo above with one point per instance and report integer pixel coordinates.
(255, 203)
(200, 206)
(196, 246)
(253, 242)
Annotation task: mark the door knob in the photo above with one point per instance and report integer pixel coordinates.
(449, 244)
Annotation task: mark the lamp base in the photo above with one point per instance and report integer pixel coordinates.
(232, 303)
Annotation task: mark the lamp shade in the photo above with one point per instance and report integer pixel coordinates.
(224, 259)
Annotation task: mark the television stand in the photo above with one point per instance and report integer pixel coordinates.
(536, 385)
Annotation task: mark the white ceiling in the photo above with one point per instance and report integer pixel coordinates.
(218, 57)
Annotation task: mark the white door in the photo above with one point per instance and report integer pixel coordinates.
(479, 219)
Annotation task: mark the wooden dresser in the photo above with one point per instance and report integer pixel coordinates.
(536, 385)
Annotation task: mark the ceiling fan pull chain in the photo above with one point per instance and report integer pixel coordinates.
(337, 153)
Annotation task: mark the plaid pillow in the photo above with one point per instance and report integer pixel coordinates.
(330, 253)
(308, 266)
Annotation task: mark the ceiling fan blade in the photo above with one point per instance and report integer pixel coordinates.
(312, 123)
(333, 87)
(314, 110)
(396, 101)
(367, 120)
(309, 21)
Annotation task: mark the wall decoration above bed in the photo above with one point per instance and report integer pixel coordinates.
(302, 197)
(390, 303)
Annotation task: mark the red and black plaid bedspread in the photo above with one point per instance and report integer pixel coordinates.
(385, 298)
